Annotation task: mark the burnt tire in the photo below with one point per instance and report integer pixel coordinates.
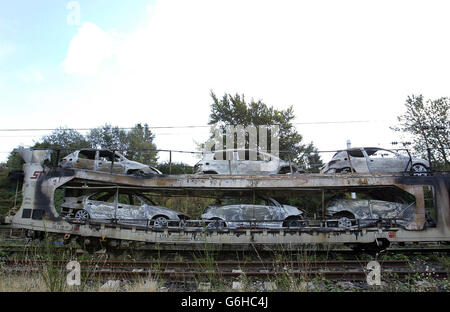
(82, 215)
(286, 170)
(160, 221)
(293, 222)
(419, 170)
(344, 170)
(344, 219)
(216, 223)
(139, 173)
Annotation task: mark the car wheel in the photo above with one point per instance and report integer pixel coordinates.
(344, 170)
(344, 219)
(419, 170)
(285, 170)
(216, 223)
(292, 222)
(82, 215)
(160, 221)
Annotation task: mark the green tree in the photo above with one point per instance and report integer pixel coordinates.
(234, 110)
(141, 146)
(14, 162)
(63, 138)
(428, 122)
(176, 168)
(108, 137)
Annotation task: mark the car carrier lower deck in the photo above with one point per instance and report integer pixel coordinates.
(38, 214)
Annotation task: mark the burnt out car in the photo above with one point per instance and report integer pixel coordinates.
(374, 159)
(241, 212)
(242, 162)
(348, 212)
(106, 161)
(132, 208)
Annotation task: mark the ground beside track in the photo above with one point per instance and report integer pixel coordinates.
(421, 265)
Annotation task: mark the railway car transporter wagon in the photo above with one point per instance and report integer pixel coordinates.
(38, 214)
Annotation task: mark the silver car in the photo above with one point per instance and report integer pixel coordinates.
(346, 211)
(106, 161)
(265, 213)
(132, 208)
(374, 159)
(237, 162)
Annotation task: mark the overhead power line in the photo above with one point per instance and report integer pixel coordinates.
(184, 127)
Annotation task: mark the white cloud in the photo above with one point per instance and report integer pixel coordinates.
(6, 49)
(31, 76)
(333, 61)
(89, 48)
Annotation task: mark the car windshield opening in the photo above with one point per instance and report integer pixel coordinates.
(356, 153)
(86, 154)
(371, 151)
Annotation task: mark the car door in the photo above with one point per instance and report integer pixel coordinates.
(234, 215)
(269, 164)
(223, 163)
(357, 160)
(383, 209)
(261, 211)
(381, 160)
(100, 205)
(105, 163)
(85, 159)
(126, 209)
(245, 165)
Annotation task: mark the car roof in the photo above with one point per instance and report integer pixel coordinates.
(240, 149)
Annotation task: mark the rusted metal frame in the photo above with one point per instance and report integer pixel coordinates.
(170, 162)
(418, 193)
(116, 203)
(290, 162)
(112, 161)
(253, 210)
(350, 162)
(17, 190)
(385, 223)
(58, 153)
(409, 161)
(429, 159)
(323, 203)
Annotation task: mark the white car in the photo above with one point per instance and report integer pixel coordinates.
(241, 212)
(346, 211)
(106, 161)
(132, 208)
(374, 159)
(237, 162)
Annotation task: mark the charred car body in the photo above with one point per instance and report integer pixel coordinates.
(242, 162)
(374, 159)
(132, 208)
(106, 161)
(365, 212)
(265, 213)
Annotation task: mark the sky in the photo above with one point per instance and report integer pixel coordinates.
(82, 64)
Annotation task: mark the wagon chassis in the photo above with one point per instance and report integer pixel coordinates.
(38, 214)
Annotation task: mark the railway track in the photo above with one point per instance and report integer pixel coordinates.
(348, 270)
(13, 248)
